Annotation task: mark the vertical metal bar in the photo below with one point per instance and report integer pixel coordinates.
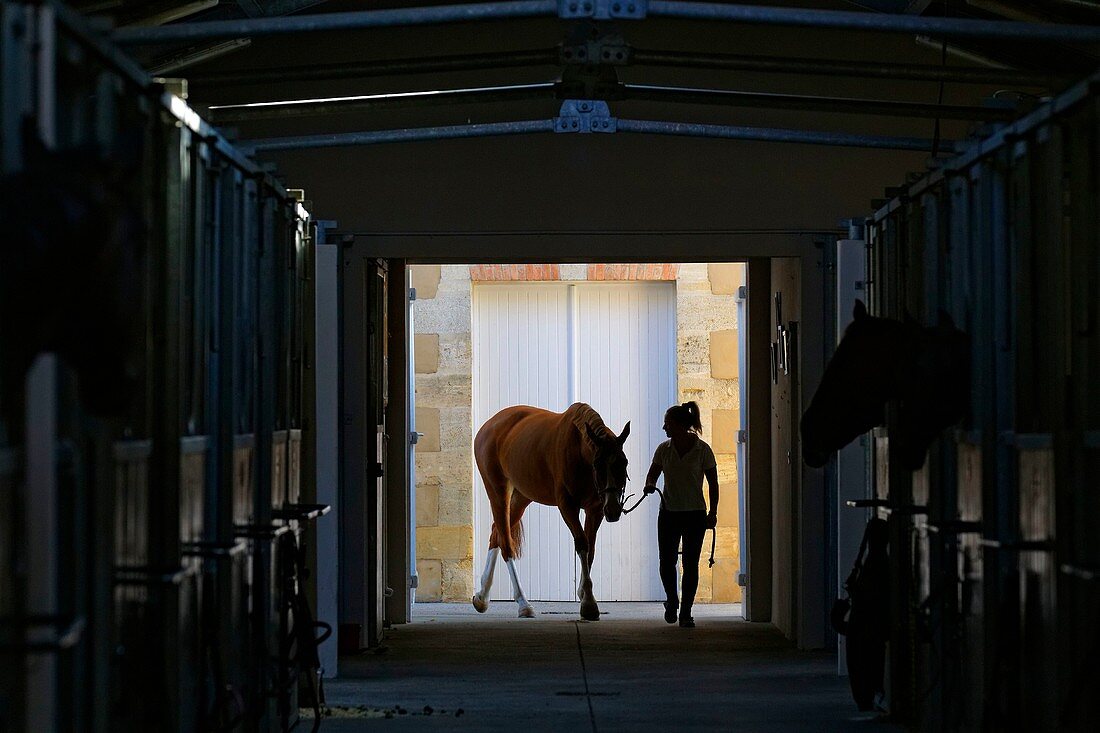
(326, 367)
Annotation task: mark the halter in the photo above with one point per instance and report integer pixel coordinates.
(713, 530)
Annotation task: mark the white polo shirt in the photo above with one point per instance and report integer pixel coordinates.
(684, 475)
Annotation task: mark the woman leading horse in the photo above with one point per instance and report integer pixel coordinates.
(570, 460)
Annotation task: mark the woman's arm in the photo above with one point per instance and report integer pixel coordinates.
(712, 481)
(652, 476)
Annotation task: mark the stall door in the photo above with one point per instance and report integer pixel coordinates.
(612, 345)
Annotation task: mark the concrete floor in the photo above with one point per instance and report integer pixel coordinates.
(455, 670)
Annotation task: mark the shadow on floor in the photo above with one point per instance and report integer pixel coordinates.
(453, 669)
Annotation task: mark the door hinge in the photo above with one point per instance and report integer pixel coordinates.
(414, 581)
(414, 437)
(412, 294)
(742, 436)
(742, 292)
(742, 579)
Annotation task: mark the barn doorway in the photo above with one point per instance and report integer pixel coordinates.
(629, 340)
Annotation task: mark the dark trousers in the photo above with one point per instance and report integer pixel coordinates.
(672, 528)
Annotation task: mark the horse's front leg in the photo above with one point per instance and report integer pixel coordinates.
(592, 521)
(589, 610)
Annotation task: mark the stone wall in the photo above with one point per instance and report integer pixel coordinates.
(708, 370)
(708, 374)
(444, 459)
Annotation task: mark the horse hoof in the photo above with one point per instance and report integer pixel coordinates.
(481, 606)
(526, 612)
(590, 612)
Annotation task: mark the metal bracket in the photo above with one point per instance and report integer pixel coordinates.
(742, 436)
(602, 9)
(585, 115)
(609, 50)
(414, 437)
(412, 294)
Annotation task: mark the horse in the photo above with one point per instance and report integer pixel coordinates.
(927, 369)
(71, 276)
(570, 460)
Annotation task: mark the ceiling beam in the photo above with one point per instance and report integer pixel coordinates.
(746, 14)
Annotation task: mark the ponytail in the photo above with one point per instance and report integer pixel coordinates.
(686, 415)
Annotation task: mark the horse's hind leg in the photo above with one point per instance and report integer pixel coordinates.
(496, 487)
(519, 503)
(481, 598)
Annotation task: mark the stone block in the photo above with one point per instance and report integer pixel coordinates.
(426, 352)
(458, 580)
(691, 272)
(429, 575)
(448, 468)
(448, 312)
(724, 359)
(425, 278)
(427, 505)
(455, 354)
(704, 312)
(691, 351)
(724, 588)
(727, 506)
(427, 422)
(446, 543)
(456, 504)
(726, 543)
(455, 431)
(726, 277)
(574, 272)
(444, 390)
(725, 424)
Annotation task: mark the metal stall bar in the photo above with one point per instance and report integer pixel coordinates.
(353, 20)
(726, 132)
(387, 100)
(383, 67)
(633, 57)
(808, 103)
(778, 135)
(881, 22)
(639, 92)
(747, 14)
(834, 67)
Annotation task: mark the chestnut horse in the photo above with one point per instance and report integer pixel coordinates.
(570, 460)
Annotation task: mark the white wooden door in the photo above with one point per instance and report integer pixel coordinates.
(612, 345)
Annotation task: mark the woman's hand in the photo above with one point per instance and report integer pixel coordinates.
(712, 520)
(649, 489)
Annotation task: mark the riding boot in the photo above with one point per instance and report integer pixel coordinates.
(670, 611)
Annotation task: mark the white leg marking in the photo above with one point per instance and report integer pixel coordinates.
(525, 609)
(481, 598)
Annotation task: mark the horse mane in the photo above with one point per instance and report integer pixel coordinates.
(582, 415)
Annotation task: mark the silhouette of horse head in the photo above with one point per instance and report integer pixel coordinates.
(926, 369)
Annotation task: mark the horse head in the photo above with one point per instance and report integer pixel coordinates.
(609, 469)
(70, 275)
(879, 359)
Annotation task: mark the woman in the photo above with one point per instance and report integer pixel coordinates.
(684, 459)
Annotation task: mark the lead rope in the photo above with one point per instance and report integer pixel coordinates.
(713, 530)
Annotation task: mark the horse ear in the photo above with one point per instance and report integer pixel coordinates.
(624, 433)
(860, 310)
(946, 321)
